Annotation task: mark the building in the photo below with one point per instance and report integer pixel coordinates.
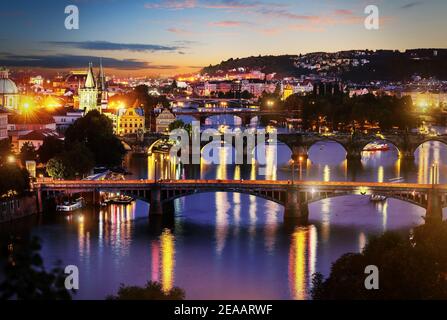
(163, 120)
(65, 117)
(3, 124)
(9, 93)
(287, 92)
(36, 138)
(88, 93)
(40, 120)
(93, 94)
(131, 121)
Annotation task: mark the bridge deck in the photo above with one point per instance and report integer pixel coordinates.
(267, 184)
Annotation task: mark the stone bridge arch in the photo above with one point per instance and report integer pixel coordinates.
(278, 197)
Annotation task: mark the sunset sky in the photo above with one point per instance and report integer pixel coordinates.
(167, 37)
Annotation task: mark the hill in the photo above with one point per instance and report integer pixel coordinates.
(353, 65)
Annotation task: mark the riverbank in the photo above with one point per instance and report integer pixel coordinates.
(17, 208)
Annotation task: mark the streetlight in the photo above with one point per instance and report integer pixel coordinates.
(155, 170)
(11, 159)
(434, 173)
(270, 103)
(293, 171)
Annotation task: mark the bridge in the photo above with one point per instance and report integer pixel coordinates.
(405, 142)
(295, 197)
(246, 115)
(299, 143)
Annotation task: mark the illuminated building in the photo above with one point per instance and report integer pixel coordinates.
(9, 94)
(93, 94)
(88, 94)
(287, 92)
(164, 119)
(3, 124)
(65, 117)
(131, 121)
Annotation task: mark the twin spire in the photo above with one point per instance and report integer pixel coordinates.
(90, 82)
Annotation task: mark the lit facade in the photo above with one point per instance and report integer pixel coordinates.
(93, 94)
(9, 94)
(164, 119)
(131, 121)
(3, 124)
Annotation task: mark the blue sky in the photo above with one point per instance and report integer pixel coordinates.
(176, 36)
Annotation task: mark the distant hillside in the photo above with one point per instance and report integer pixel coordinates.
(355, 65)
(283, 65)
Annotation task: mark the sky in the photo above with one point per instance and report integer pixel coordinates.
(168, 37)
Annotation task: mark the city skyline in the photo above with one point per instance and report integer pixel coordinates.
(170, 37)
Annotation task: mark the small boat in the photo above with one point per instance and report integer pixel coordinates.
(377, 198)
(121, 200)
(377, 147)
(69, 206)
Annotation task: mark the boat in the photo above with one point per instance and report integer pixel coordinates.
(377, 147)
(121, 199)
(69, 206)
(377, 198)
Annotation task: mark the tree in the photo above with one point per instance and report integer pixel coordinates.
(5, 150)
(56, 168)
(410, 268)
(75, 162)
(28, 152)
(179, 124)
(25, 276)
(79, 159)
(95, 130)
(152, 291)
(14, 180)
(51, 147)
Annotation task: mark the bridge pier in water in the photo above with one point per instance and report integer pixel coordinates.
(434, 207)
(296, 211)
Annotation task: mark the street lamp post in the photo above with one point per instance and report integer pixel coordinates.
(155, 170)
(293, 171)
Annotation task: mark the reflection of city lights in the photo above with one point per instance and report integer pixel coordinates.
(380, 174)
(167, 260)
(297, 264)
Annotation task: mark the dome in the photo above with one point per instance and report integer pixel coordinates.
(7, 86)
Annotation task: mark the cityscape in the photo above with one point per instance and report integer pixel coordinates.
(220, 158)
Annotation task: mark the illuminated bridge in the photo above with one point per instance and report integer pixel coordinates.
(295, 197)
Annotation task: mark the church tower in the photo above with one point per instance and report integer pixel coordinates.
(88, 94)
(103, 98)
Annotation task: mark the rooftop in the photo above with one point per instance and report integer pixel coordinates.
(41, 135)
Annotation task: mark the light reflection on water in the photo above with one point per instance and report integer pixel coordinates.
(235, 246)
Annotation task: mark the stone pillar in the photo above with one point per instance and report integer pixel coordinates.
(96, 199)
(245, 120)
(434, 207)
(407, 154)
(354, 153)
(300, 151)
(295, 210)
(39, 201)
(156, 207)
(202, 120)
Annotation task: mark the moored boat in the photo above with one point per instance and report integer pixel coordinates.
(69, 206)
(121, 199)
(377, 198)
(377, 147)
